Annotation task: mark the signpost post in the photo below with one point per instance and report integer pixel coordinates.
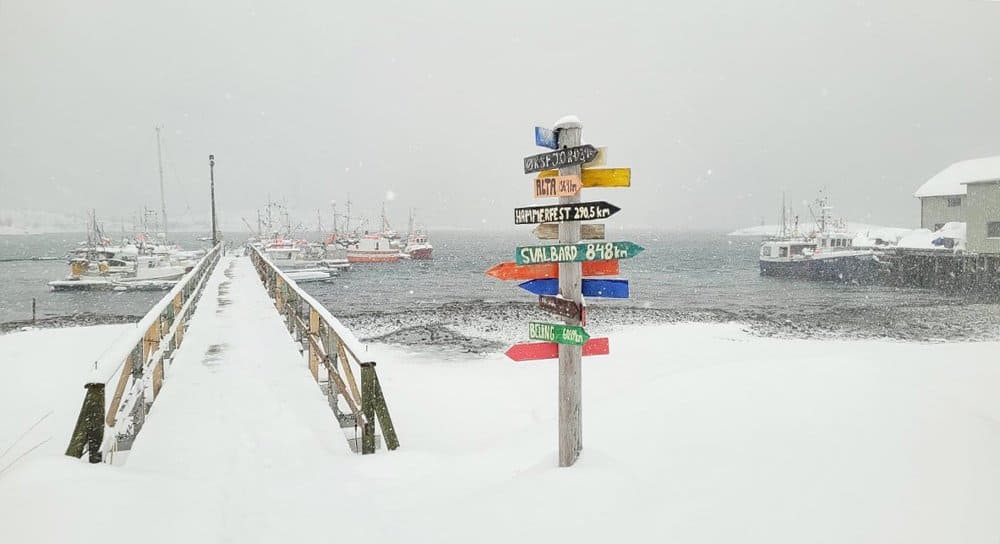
(555, 272)
(570, 377)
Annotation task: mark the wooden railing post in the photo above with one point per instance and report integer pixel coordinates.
(382, 411)
(368, 407)
(314, 332)
(89, 431)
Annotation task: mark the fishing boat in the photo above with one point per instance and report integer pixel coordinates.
(417, 246)
(825, 254)
(373, 248)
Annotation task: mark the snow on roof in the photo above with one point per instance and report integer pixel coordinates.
(951, 180)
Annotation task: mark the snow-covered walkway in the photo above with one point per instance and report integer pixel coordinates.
(239, 394)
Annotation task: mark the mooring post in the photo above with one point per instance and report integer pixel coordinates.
(368, 407)
(32, 310)
(569, 134)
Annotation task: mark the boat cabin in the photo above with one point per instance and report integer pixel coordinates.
(787, 249)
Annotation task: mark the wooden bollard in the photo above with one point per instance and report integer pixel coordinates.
(368, 407)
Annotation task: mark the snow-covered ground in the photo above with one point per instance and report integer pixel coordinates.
(693, 433)
(42, 387)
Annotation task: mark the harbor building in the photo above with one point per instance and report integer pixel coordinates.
(943, 197)
(982, 214)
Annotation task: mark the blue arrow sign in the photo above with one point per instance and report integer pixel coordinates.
(545, 138)
(591, 288)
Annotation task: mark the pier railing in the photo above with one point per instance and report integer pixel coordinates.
(331, 351)
(128, 377)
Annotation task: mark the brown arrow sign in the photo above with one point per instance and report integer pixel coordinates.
(563, 307)
(588, 231)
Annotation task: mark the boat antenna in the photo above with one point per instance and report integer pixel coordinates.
(163, 200)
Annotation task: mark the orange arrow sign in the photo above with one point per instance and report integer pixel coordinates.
(557, 186)
(511, 271)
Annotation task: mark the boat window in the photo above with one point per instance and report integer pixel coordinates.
(765, 251)
(783, 251)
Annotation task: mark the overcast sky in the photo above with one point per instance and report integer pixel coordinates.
(718, 107)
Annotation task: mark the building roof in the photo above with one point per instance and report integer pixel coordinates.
(952, 180)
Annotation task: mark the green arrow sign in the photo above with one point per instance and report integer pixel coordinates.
(568, 253)
(560, 334)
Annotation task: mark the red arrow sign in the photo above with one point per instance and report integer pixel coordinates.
(511, 271)
(536, 351)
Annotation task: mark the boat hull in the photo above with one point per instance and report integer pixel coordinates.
(849, 269)
(372, 256)
(423, 253)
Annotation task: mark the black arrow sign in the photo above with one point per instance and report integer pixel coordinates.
(560, 213)
(559, 158)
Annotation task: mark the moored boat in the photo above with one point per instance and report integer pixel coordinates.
(372, 248)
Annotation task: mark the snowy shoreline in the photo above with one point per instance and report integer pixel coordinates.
(692, 432)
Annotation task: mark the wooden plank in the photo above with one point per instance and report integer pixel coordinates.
(384, 420)
(347, 371)
(588, 231)
(116, 400)
(368, 407)
(559, 213)
(566, 156)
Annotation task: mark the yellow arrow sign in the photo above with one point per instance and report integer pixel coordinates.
(600, 177)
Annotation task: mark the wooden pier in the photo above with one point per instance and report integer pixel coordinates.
(959, 272)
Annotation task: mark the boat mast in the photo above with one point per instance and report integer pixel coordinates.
(163, 200)
(784, 217)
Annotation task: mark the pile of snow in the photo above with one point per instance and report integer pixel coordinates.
(951, 180)
(692, 433)
(950, 236)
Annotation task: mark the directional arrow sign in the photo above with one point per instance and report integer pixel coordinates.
(560, 158)
(600, 160)
(591, 288)
(536, 351)
(588, 231)
(511, 271)
(582, 211)
(600, 177)
(568, 253)
(545, 138)
(557, 186)
(571, 335)
(564, 307)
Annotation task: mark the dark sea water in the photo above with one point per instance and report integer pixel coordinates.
(450, 302)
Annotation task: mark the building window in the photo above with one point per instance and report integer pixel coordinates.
(993, 229)
(954, 201)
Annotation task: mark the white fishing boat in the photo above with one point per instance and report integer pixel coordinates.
(373, 248)
(417, 245)
(825, 254)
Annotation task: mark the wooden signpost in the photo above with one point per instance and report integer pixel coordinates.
(578, 211)
(588, 231)
(566, 308)
(513, 271)
(555, 272)
(550, 186)
(563, 157)
(600, 177)
(574, 253)
(571, 335)
(591, 287)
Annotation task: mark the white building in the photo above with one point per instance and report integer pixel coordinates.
(943, 197)
(969, 192)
